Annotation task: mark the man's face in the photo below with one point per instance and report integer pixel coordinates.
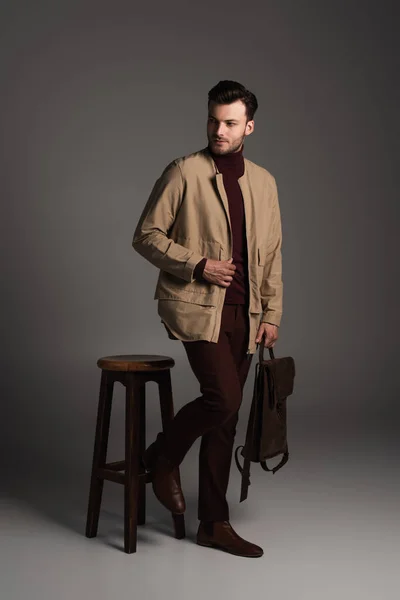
(228, 124)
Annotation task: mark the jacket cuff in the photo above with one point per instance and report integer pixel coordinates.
(271, 317)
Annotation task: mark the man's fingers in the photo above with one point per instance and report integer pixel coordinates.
(230, 267)
(269, 340)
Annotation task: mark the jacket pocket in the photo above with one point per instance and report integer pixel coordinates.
(261, 256)
(208, 248)
(171, 287)
(264, 252)
(187, 321)
(189, 296)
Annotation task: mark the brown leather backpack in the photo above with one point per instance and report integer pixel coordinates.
(266, 435)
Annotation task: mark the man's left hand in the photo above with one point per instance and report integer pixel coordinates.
(269, 332)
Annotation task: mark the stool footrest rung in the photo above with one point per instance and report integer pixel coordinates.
(111, 475)
(119, 465)
(112, 472)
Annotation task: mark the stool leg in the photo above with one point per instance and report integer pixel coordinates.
(132, 422)
(99, 453)
(142, 448)
(167, 414)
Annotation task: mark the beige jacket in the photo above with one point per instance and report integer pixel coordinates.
(187, 218)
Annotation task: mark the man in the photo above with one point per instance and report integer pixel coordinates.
(212, 226)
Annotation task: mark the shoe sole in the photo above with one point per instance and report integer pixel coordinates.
(217, 547)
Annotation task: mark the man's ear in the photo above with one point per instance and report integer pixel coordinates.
(249, 127)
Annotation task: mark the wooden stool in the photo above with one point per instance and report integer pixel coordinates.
(133, 371)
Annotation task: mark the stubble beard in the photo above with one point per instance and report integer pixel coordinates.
(231, 148)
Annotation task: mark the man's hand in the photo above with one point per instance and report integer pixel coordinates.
(220, 272)
(269, 332)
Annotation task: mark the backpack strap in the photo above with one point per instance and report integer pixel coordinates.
(245, 472)
(250, 436)
(282, 462)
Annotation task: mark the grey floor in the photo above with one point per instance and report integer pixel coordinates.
(328, 523)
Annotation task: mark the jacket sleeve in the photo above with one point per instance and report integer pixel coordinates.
(151, 239)
(272, 286)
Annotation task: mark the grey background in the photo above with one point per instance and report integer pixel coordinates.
(96, 99)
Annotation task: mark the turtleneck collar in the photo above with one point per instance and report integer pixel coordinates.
(233, 161)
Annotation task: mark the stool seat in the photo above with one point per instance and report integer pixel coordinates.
(135, 362)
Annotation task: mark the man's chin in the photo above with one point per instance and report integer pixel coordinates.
(220, 148)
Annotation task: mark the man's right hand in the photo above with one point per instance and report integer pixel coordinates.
(220, 272)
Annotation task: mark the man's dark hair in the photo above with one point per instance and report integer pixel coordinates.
(226, 92)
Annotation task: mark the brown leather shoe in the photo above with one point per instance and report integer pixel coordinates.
(221, 535)
(165, 478)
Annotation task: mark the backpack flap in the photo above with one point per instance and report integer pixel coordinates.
(280, 373)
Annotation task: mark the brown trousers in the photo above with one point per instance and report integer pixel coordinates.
(221, 369)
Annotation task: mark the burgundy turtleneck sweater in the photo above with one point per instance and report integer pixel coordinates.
(231, 166)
